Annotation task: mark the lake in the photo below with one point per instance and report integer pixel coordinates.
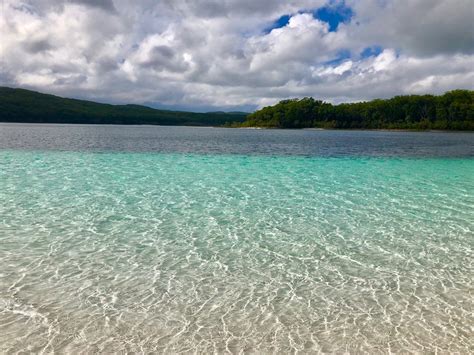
(180, 239)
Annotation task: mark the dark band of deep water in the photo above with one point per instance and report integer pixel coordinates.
(205, 140)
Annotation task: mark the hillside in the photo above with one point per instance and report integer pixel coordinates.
(19, 105)
(452, 111)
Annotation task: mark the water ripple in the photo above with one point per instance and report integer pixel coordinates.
(176, 253)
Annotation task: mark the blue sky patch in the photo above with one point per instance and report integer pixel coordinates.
(334, 14)
(341, 57)
(371, 52)
(281, 22)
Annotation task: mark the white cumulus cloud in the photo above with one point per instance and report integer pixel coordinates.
(224, 54)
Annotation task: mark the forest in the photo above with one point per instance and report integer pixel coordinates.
(452, 111)
(20, 105)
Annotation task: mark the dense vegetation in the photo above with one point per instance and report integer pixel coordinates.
(452, 111)
(19, 105)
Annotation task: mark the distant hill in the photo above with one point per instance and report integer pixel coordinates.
(20, 105)
(452, 111)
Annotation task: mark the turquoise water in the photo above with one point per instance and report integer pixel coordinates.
(166, 252)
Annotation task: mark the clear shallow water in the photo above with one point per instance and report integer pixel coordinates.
(169, 252)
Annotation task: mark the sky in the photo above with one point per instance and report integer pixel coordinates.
(207, 55)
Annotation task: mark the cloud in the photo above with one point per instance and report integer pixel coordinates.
(107, 5)
(229, 54)
(418, 27)
(37, 46)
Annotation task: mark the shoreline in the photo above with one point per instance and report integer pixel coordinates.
(246, 128)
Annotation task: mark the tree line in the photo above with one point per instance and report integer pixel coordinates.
(452, 111)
